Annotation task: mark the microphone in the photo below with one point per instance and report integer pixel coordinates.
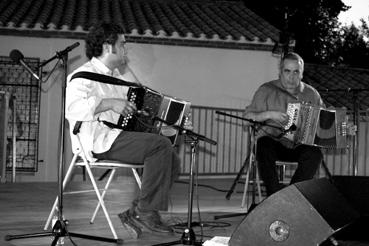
(18, 57)
(60, 54)
(292, 128)
(68, 49)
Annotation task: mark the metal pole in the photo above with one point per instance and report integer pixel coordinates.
(355, 144)
(14, 140)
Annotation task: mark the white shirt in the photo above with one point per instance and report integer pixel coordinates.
(82, 98)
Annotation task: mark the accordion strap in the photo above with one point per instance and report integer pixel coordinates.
(107, 80)
(111, 125)
(103, 79)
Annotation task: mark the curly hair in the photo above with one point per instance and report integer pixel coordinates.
(98, 35)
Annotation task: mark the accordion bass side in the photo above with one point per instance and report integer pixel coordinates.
(317, 126)
(154, 104)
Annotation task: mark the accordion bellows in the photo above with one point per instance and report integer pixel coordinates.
(317, 126)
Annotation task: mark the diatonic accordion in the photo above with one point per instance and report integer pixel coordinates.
(154, 105)
(317, 126)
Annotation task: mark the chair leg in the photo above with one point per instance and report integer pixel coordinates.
(65, 181)
(54, 207)
(258, 183)
(137, 177)
(246, 184)
(101, 201)
(112, 173)
(111, 176)
(257, 180)
(282, 170)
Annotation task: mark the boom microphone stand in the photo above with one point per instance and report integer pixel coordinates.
(188, 235)
(250, 162)
(59, 229)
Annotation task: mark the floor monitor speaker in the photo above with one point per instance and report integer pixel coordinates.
(355, 190)
(305, 213)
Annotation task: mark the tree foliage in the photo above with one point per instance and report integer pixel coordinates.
(351, 46)
(318, 35)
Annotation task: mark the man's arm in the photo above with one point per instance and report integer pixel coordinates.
(118, 105)
(276, 116)
(258, 110)
(82, 106)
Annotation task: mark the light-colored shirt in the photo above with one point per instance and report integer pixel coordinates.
(82, 98)
(272, 96)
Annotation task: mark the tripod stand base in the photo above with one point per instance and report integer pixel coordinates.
(71, 234)
(188, 238)
(59, 230)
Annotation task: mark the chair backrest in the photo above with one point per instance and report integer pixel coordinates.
(80, 152)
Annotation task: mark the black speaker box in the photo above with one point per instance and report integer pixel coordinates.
(305, 213)
(356, 191)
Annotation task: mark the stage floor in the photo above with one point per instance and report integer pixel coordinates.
(24, 208)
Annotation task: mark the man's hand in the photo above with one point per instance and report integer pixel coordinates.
(123, 107)
(351, 129)
(187, 123)
(118, 105)
(276, 116)
(279, 117)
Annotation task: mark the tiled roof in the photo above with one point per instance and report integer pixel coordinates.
(338, 85)
(212, 21)
(219, 21)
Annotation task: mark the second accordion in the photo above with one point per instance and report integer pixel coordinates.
(317, 126)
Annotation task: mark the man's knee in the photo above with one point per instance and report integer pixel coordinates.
(164, 142)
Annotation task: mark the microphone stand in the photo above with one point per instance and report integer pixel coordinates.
(59, 229)
(188, 235)
(250, 160)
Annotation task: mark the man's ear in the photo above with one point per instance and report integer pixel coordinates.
(113, 49)
(107, 48)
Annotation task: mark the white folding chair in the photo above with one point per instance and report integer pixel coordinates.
(79, 159)
(251, 170)
(281, 166)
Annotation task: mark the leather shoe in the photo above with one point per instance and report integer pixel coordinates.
(150, 220)
(128, 223)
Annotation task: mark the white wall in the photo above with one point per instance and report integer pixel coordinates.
(203, 76)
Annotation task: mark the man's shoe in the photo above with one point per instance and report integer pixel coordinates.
(128, 223)
(150, 221)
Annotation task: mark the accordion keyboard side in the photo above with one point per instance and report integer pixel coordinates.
(144, 99)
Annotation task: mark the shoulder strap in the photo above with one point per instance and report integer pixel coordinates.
(103, 79)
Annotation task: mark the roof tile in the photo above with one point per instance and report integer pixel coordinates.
(56, 15)
(81, 17)
(338, 85)
(215, 21)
